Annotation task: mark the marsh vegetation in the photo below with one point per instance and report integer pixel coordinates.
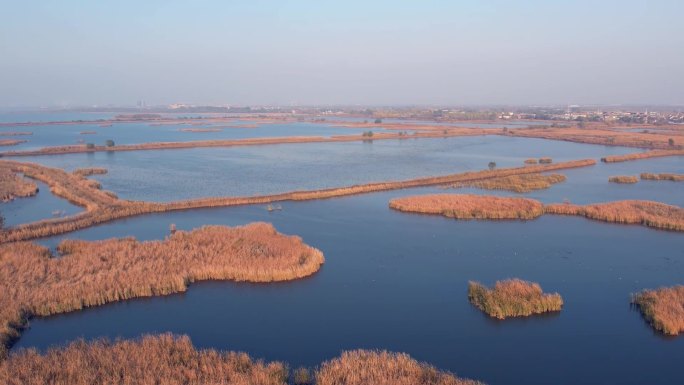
(513, 298)
(663, 308)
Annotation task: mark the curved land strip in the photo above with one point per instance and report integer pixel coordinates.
(15, 133)
(663, 308)
(623, 179)
(103, 206)
(200, 130)
(13, 186)
(242, 142)
(665, 176)
(642, 155)
(647, 213)
(513, 298)
(34, 283)
(169, 359)
(516, 183)
(470, 206)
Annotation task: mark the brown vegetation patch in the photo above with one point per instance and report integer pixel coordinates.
(363, 367)
(151, 360)
(200, 130)
(641, 155)
(15, 133)
(94, 273)
(628, 179)
(470, 206)
(90, 171)
(601, 135)
(513, 298)
(104, 206)
(647, 213)
(516, 183)
(11, 142)
(665, 176)
(663, 308)
(545, 160)
(13, 186)
(172, 360)
(88, 132)
(531, 161)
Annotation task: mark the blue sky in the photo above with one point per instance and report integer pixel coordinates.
(341, 52)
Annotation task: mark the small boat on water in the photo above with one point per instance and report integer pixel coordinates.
(271, 207)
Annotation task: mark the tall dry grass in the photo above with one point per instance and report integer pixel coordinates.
(173, 360)
(601, 135)
(641, 155)
(662, 176)
(468, 206)
(363, 367)
(95, 273)
(11, 142)
(151, 360)
(646, 213)
(516, 183)
(13, 186)
(624, 179)
(90, 171)
(663, 308)
(104, 206)
(513, 298)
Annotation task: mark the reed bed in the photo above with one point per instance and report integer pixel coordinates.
(172, 360)
(545, 160)
(663, 308)
(603, 136)
(663, 176)
(468, 206)
(56, 150)
(90, 171)
(88, 132)
(94, 273)
(363, 367)
(200, 130)
(531, 161)
(11, 142)
(516, 183)
(624, 179)
(647, 213)
(641, 155)
(15, 133)
(13, 186)
(513, 298)
(151, 360)
(103, 206)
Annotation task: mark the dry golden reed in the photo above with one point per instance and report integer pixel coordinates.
(641, 155)
(469, 206)
(663, 176)
(663, 308)
(513, 298)
(603, 136)
(13, 186)
(516, 183)
(624, 179)
(646, 213)
(103, 206)
(150, 360)
(545, 160)
(172, 360)
(94, 273)
(531, 161)
(363, 367)
(90, 171)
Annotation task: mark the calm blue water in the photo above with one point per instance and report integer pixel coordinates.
(249, 170)
(142, 132)
(398, 281)
(41, 206)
